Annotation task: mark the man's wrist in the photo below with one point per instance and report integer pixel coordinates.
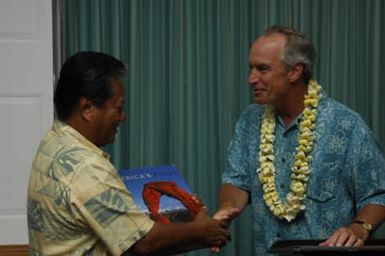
(365, 225)
(362, 228)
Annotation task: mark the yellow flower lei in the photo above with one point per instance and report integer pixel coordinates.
(300, 171)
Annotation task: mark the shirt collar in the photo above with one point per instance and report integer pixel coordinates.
(62, 128)
(298, 119)
(295, 122)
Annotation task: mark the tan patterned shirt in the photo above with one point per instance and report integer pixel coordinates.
(77, 204)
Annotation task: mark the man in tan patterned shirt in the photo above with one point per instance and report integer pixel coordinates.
(77, 204)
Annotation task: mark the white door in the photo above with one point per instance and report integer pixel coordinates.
(26, 108)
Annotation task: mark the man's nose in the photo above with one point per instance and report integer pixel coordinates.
(253, 77)
(123, 116)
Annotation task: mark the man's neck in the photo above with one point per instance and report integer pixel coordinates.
(81, 126)
(289, 109)
(289, 116)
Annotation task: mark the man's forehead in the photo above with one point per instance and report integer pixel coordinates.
(267, 46)
(274, 39)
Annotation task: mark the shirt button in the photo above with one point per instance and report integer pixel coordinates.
(282, 185)
(283, 160)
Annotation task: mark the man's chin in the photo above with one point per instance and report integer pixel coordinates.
(110, 140)
(260, 100)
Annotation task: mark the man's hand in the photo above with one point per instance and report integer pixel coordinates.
(216, 231)
(226, 214)
(232, 201)
(354, 235)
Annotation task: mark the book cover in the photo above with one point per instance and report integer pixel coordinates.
(161, 192)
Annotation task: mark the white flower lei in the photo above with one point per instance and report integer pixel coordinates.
(300, 171)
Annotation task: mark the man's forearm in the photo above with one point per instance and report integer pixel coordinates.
(173, 238)
(166, 239)
(373, 214)
(232, 196)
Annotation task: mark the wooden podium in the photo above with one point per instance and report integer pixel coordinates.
(372, 247)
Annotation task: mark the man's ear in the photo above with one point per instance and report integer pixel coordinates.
(295, 72)
(86, 108)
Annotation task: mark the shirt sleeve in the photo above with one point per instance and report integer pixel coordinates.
(102, 204)
(237, 170)
(367, 163)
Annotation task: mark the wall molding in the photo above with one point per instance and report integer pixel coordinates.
(14, 250)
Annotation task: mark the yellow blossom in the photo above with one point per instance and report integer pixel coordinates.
(293, 204)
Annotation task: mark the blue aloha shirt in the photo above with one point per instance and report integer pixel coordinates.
(347, 172)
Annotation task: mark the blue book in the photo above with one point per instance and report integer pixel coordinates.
(161, 192)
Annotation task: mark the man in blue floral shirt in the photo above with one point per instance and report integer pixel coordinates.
(309, 166)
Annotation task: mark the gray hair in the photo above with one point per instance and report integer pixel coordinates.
(298, 50)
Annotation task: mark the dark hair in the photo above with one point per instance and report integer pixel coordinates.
(298, 50)
(86, 74)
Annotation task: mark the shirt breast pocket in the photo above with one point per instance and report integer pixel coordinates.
(320, 196)
(322, 186)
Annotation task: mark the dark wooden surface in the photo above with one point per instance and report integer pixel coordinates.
(373, 247)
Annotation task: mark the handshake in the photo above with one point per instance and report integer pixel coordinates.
(202, 231)
(215, 233)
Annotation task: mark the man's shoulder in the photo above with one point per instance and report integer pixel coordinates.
(331, 106)
(253, 110)
(343, 116)
(255, 107)
(66, 152)
(55, 145)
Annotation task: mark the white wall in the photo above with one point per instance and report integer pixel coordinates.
(26, 108)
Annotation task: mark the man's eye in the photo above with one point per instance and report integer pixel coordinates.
(263, 69)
